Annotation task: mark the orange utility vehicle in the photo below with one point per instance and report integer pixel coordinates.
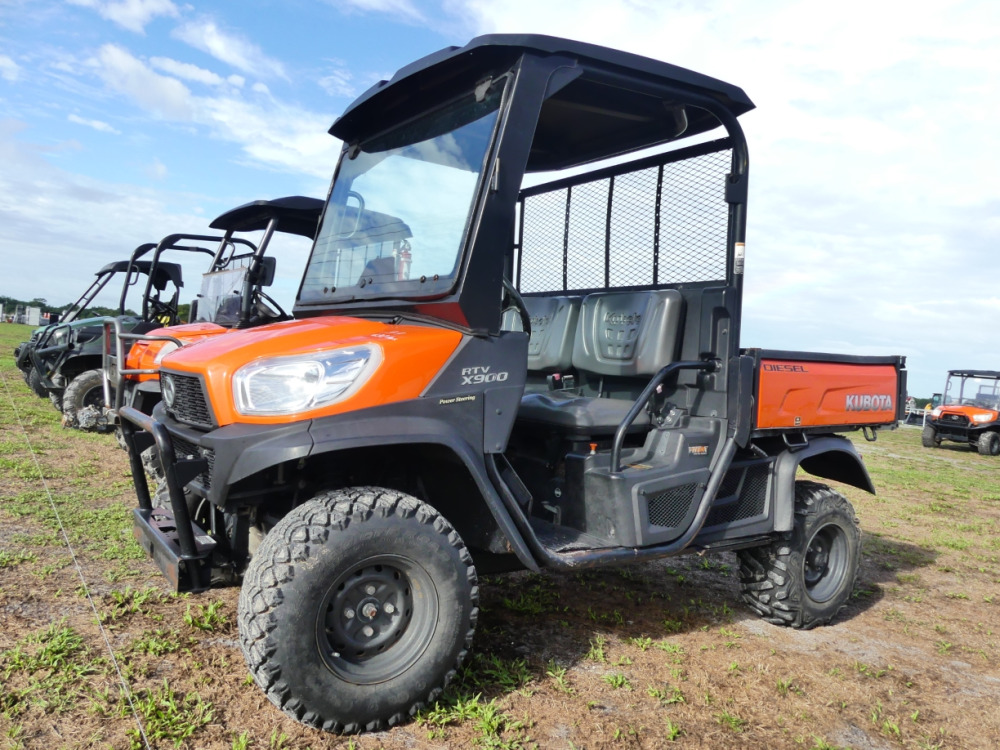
(969, 412)
(486, 373)
(232, 297)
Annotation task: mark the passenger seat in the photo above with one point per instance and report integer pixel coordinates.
(622, 339)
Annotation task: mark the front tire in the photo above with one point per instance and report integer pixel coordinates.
(83, 402)
(806, 578)
(928, 438)
(989, 444)
(357, 609)
(34, 380)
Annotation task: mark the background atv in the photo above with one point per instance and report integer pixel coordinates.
(487, 374)
(969, 412)
(70, 314)
(66, 357)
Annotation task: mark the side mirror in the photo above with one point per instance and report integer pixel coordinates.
(265, 274)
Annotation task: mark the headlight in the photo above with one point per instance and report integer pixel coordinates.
(60, 336)
(168, 389)
(936, 412)
(168, 346)
(285, 385)
(984, 417)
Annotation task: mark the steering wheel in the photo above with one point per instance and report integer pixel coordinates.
(162, 312)
(514, 301)
(266, 306)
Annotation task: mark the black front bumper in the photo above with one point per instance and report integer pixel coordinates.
(958, 432)
(200, 464)
(181, 549)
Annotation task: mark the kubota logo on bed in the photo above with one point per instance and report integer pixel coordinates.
(869, 402)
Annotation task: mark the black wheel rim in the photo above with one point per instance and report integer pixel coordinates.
(826, 563)
(94, 397)
(377, 619)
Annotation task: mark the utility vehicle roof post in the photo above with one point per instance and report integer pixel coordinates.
(619, 422)
(969, 412)
(250, 272)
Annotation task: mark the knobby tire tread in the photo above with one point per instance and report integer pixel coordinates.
(272, 566)
(767, 584)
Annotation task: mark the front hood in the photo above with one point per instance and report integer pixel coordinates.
(411, 356)
(968, 412)
(143, 354)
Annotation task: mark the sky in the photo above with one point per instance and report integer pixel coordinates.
(874, 207)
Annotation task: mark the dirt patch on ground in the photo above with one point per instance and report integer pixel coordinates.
(630, 657)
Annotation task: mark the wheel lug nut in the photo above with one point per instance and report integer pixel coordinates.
(368, 631)
(349, 613)
(389, 609)
(370, 590)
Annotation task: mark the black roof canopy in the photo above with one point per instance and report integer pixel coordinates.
(626, 98)
(296, 214)
(975, 373)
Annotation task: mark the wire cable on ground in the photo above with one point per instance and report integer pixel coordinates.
(76, 563)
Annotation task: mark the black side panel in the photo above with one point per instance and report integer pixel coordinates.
(490, 369)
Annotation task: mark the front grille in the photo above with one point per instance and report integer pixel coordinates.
(669, 508)
(189, 404)
(184, 449)
(958, 419)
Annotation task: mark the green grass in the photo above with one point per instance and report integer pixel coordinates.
(167, 715)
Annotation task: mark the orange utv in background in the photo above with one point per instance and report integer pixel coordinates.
(232, 297)
(513, 348)
(969, 412)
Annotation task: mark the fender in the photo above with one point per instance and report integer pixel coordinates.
(828, 457)
(244, 450)
(379, 431)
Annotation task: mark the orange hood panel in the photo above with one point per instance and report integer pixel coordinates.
(966, 411)
(142, 355)
(411, 357)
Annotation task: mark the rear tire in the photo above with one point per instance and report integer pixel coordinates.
(357, 609)
(806, 578)
(85, 391)
(929, 438)
(989, 444)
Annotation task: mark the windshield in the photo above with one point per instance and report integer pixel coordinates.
(397, 215)
(973, 391)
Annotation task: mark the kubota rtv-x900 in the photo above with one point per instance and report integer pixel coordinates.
(493, 371)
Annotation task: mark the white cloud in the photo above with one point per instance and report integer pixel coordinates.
(156, 171)
(9, 70)
(231, 49)
(95, 124)
(166, 97)
(398, 8)
(274, 134)
(237, 81)
(56, 209)
(270, 133)
(133, 15)
(339, 82)
(187, 71)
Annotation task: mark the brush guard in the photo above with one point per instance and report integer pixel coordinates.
(180, 548)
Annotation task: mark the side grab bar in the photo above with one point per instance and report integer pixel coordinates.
(711, 365)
